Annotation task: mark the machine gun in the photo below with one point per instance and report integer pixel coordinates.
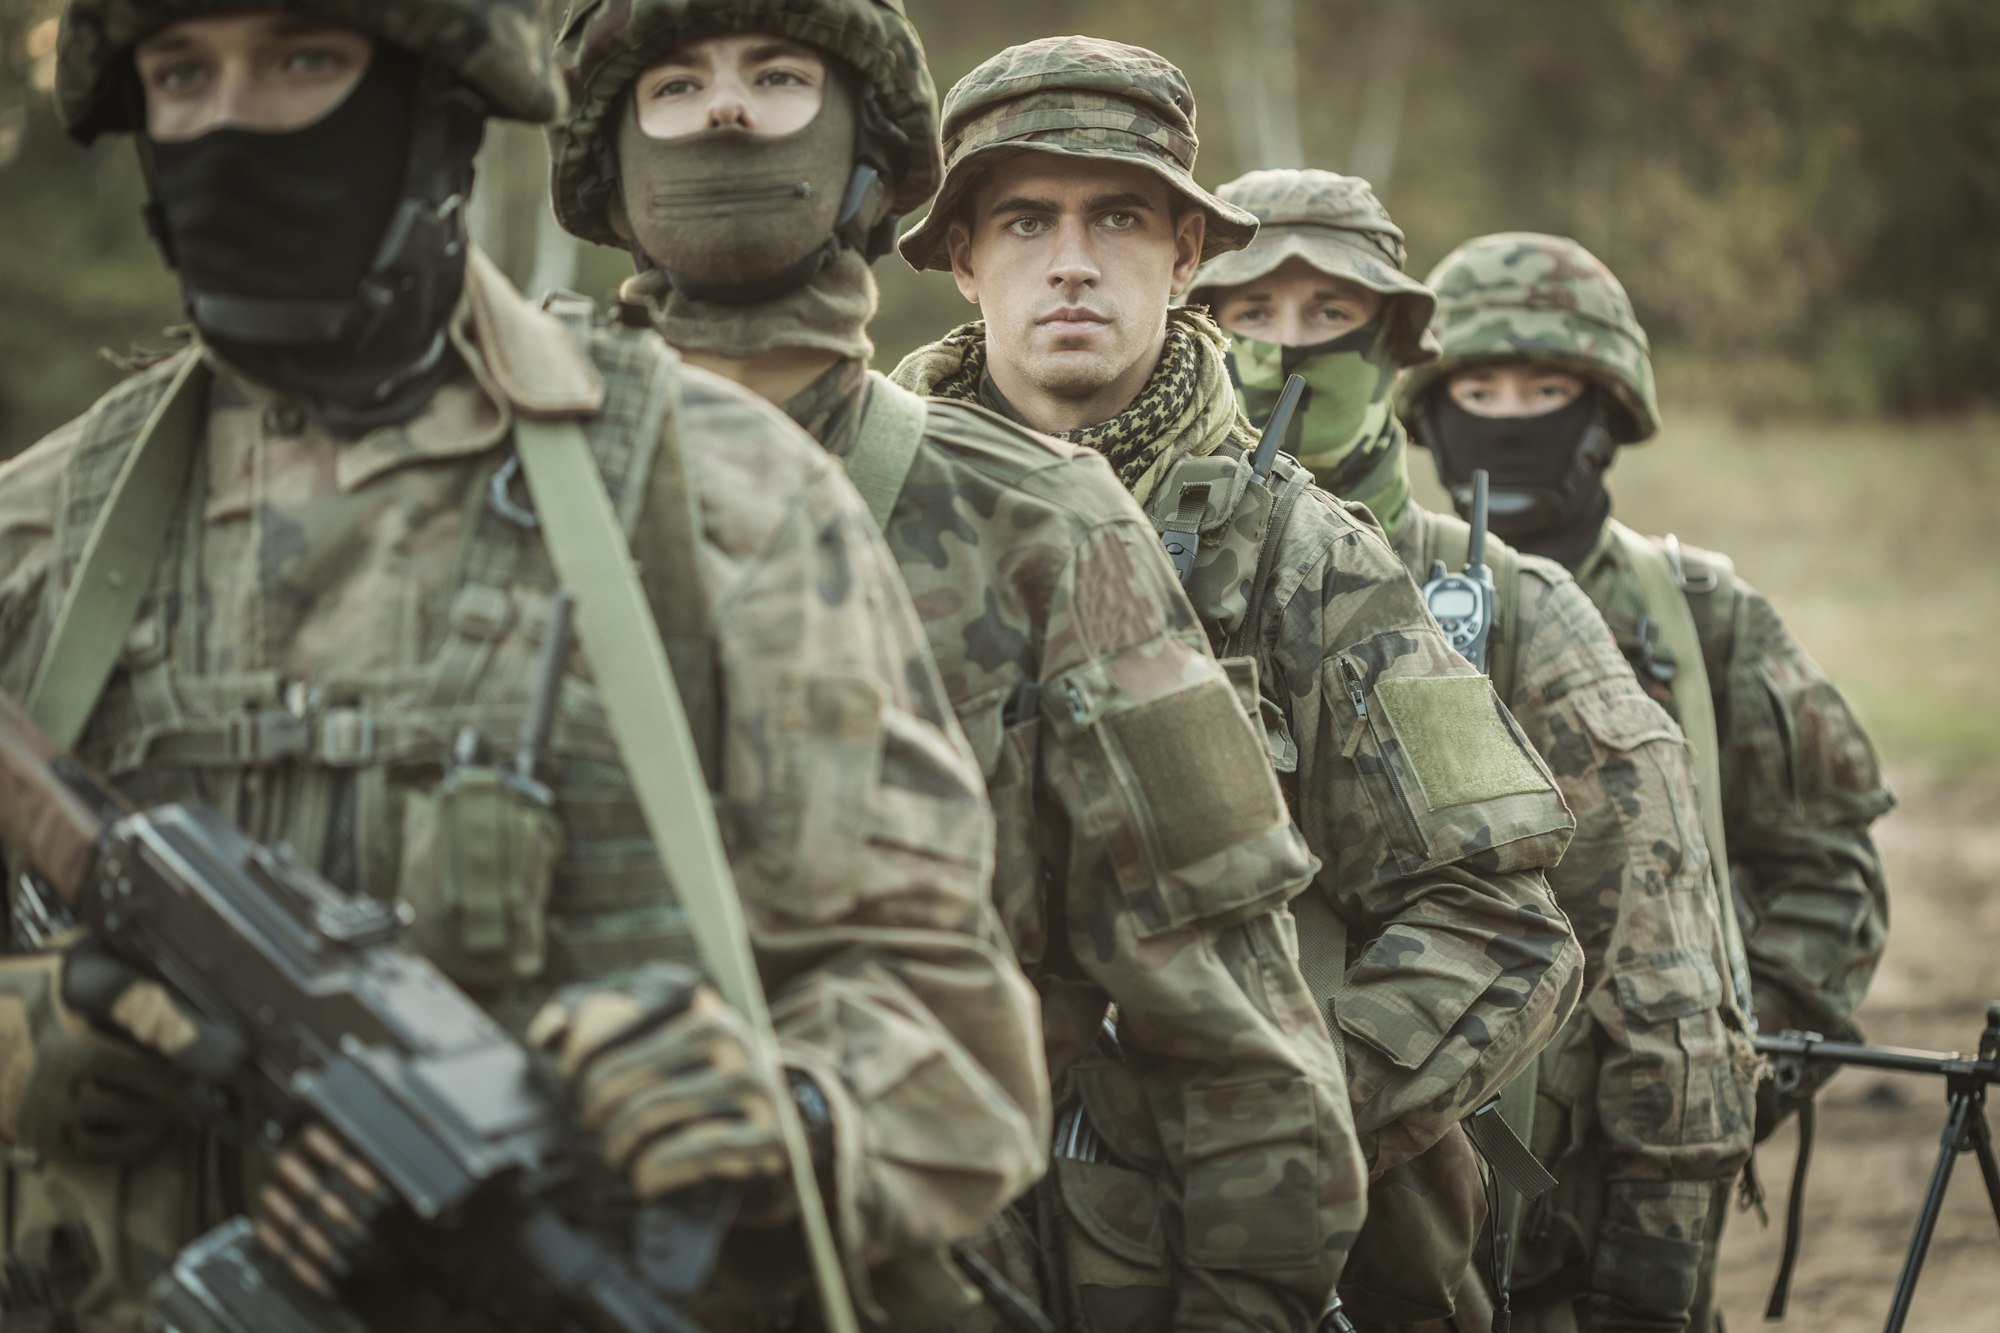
(1965, 1132)
(322, 1015)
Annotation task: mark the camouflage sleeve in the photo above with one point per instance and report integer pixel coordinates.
(1437, 823)
(1179, 856)
(1672, 1101)
(1801, 785)
(30, 483)
(863, 843)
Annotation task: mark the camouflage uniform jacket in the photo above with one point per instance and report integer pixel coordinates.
(1433, 818)
(1144, 849)
(327, 581)
(1645, 1095)
(1800, 787)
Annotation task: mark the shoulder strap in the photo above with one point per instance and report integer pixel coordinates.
(892, 426)
(1666, 601)
(616, 627)
(118, 561)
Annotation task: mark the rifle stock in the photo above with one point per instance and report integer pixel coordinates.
(339, 1022)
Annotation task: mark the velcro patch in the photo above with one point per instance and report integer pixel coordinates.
(1205, 775)
(1450, 728)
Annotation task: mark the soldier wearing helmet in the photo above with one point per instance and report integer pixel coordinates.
(1545, 372)
(1640, 1108)
(1069, 214)
(343, 633)
(1145, 852)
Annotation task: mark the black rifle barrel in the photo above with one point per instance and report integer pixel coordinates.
(1897, 1059)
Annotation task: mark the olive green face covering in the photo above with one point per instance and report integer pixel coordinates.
(734, 215)
(1345, 431)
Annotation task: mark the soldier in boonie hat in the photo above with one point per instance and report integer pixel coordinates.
(1081, 97)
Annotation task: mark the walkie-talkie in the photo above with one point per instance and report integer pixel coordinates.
(1463, 604)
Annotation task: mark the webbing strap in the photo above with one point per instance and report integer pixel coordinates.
(119, 559)
(1322, 955)
(616, 627)
(892, 426)
(1666, 602)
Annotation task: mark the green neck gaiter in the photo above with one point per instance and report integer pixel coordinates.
(1345, 431)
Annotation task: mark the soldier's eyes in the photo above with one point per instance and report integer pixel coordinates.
(179, 76)
(1120, 221)
(678, 85)
(783, 78)
(1027, 226)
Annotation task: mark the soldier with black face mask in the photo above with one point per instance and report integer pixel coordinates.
(1545, 374)
(351, 607)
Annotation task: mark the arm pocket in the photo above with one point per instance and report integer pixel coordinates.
(1252, 1186)
(1176, 788)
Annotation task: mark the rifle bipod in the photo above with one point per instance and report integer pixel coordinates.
(1965, 1131)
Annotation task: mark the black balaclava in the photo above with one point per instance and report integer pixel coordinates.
(1546, 473)
(326, 261)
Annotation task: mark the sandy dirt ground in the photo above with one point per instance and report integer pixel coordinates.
(1879, 1133)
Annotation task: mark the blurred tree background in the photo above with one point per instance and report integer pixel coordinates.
(1802, 195)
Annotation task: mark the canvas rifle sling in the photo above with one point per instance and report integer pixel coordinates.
(616, 627)
(1660, 586)
(119, 559)
(892, 426)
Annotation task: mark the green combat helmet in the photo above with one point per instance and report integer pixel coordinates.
(605, 45)
(496, 47)
(1081, 97)
(1336, 224)
(1524, 295)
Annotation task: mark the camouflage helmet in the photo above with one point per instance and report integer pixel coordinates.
(1081, 97)
(1524, 295)
(605, 45)
(1337, 225)
(498, 47)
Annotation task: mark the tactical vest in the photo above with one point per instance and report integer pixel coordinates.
(383, 779)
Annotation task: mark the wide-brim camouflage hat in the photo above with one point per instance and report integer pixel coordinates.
(498, 47)
(1336, 224)
(1525, 296)
(1075, 97)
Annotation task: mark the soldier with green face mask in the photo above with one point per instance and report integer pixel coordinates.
(1145, 852)
(1069, 214)
(1641, 1105)
(1544, 374)
(338, 638)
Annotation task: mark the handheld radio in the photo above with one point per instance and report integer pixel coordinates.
(1464, 603)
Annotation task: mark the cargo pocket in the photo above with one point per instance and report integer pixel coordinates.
(1681, 988)
(1252, 1177)
(478, 868)
(1114, 1246)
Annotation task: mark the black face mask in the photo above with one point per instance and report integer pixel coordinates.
(325, 261)
(1546, 473)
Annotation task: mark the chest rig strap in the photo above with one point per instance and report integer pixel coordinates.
(616, 626)
(119, 560)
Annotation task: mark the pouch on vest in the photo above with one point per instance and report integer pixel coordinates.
(478, 868)
(1424, 1217)
(1114, 1246)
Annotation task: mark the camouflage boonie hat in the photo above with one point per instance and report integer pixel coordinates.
(498, 47)
(1080, 97)
(605, 45)
(1336, 224)
(1522, 295)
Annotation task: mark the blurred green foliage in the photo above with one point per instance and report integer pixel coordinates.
(1801, 194)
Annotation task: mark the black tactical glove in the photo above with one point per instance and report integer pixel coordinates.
(93, 1056)
(676, 1088)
